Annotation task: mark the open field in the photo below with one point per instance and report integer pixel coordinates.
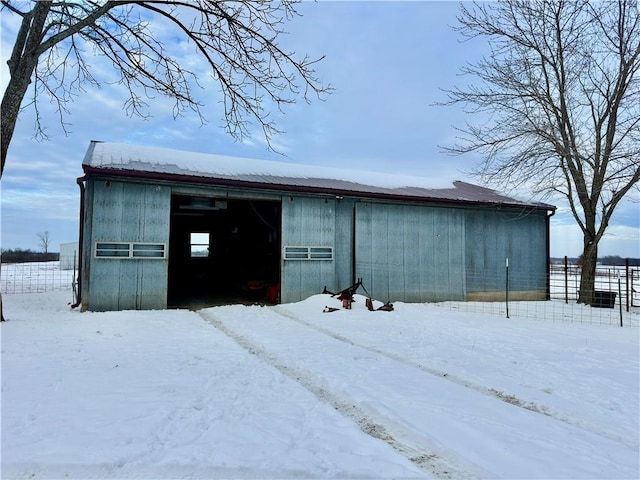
(291, 392)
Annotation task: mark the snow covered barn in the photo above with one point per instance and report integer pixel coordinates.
(165, 228)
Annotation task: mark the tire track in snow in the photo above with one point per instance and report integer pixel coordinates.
(490, 392)
(429, 462)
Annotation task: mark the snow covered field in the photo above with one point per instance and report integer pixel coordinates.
(32, 277)
(292, 392)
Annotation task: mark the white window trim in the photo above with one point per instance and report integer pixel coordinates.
(307, 252)
(205, 247)
(132, 250)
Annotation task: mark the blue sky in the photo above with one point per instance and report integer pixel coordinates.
(387, 61)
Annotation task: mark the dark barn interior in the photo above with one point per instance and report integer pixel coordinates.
(223, 251)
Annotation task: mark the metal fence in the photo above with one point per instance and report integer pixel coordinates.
(35, 277)
(618, 288)
(624, 282)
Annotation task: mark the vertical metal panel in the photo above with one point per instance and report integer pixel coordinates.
(311, 222)
(128, 212)
(364, 248)
(380, 251)
(410, 253)
(448, 253)
(400, 253)
(416, 253)
(87, 225)
(106, 226)
(154, 274)
(343, 251)
(132, 219)
(492, 237)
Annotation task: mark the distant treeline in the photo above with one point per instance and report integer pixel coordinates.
(19, 255)
(609, 261)
(616, 260)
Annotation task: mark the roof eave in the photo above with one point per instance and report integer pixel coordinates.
(233, 183)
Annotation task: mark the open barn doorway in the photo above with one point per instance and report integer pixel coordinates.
(223, 251)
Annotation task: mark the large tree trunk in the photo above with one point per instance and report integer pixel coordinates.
(11, 101)
(588, 276)
(22, 64)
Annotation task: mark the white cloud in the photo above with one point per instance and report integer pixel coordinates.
(387, 61)
(620, 240)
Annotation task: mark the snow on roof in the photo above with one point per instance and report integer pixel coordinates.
(136, 160)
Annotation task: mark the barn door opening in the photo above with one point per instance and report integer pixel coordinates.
(223, 251)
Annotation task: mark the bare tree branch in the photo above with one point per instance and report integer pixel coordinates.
(237, 43)
(560, 90)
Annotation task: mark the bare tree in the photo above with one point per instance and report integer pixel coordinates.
(559, 97)
(44, 241)
(236, 41)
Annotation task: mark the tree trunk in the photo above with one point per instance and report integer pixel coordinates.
(588, 275)
(22, 64)
(11, 101)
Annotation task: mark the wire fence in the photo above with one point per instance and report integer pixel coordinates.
(616, 296)
(622, 282)
(35, 277)
(618, 288)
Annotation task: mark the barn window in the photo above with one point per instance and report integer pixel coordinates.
(199, 245)
(120, 250)
(112, 250)
(148, 250)
(308, 253)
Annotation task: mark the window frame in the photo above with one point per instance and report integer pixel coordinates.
(130, 250)
(307, 252)
(207, 246)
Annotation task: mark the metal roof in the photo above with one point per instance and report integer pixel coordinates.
(133, 161)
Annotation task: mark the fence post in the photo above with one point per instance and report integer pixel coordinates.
(619, 293)
(626, 281)
(507, 287)
(566, 280)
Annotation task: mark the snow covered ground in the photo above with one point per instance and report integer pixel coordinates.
(32, 277)
(292, 392)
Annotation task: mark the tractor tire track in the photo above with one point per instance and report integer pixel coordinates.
(487, 391)
(430, 462)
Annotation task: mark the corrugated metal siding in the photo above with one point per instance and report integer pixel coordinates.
(494, 236)
(410, 253)
(344, 244)
(153, 274)
(403, 252)
(307, 222)
(126, 212)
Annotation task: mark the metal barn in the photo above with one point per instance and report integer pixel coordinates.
(165, 228)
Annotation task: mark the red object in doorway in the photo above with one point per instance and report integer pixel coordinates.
(272, 293)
